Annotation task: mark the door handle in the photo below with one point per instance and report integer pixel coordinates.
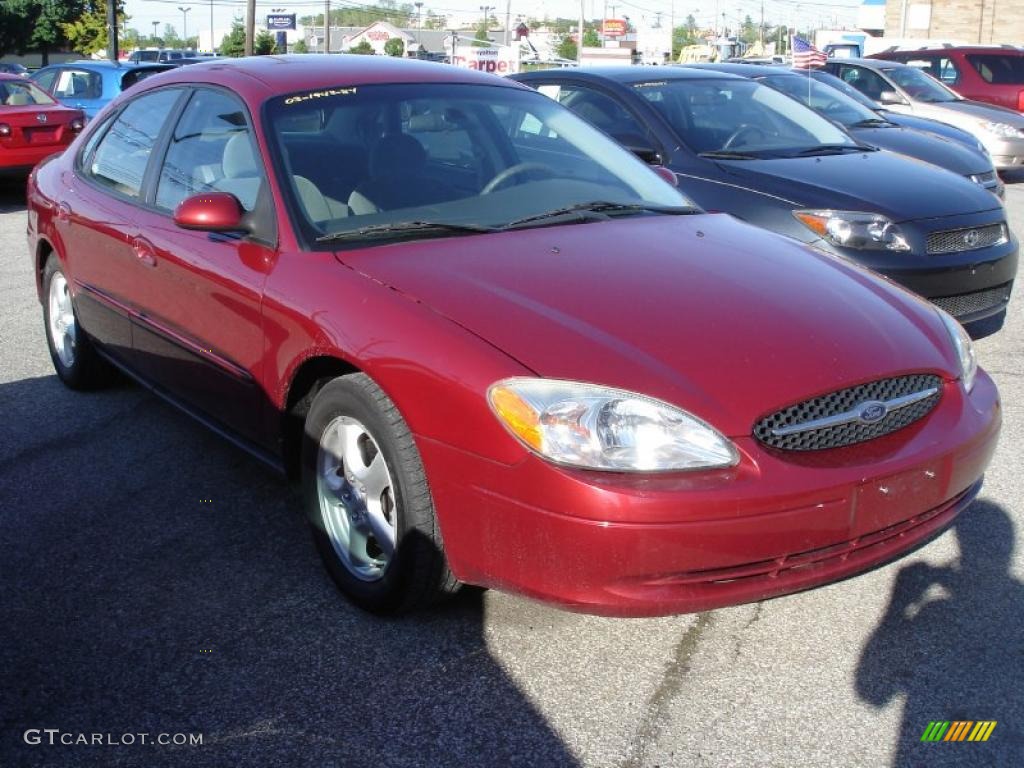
(144, 252)
(63, 212)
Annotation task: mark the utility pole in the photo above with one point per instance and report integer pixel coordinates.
(213, 45)
(760, 35)
(250, 26)
(508, 20)
(327, 26)
(579, 42)
(112, 52)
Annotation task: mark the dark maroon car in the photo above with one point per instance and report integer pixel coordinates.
(494, 347)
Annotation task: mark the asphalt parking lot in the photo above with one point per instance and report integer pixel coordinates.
(157, 580)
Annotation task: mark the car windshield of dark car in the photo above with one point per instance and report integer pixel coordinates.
(844, 88)
(380, 160)
(18, 94)
(920, 86)
(998, 68)
(824, 100)
(740, 117)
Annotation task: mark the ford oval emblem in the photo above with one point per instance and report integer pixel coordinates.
(872, 412)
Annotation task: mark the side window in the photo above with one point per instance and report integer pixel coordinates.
(601, 111)
(78, 84)
(212, 149)
(865, 81)
(46, 79)
(121, 156)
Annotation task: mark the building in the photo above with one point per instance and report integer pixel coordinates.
(377, 34)
(966, 21)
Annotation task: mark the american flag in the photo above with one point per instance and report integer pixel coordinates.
(806, 55)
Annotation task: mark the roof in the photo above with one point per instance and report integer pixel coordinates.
(996, 49)
(296, 72)
(745, 70)
(876, 63)
(107, 64)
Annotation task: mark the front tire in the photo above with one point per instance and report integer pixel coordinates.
(367, 500)
(71, 350)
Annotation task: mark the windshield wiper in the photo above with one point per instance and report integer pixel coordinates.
(871, 122)
(727, 154)
(603, 208)
(832, 149)
(405, 227)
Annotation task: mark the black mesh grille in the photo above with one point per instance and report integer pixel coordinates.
(969, 303)
(841, 402)
(967, 239)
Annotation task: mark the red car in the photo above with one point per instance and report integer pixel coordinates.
(32, 125)
(495, 347)
(982, 73)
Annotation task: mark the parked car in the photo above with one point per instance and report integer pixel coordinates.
(90, 85)
(903, 88)
(983, 73)
(13, 68)
(748, 150)
(901, 119)
(497, 348)
(32, 125)
(870, 128)
(159, 55)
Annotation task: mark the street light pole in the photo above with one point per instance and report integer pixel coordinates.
(155, 25)
(327, 26)
(250, 27)
(213, 45)
(184, 23)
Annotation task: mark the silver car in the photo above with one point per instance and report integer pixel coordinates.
(906, 89)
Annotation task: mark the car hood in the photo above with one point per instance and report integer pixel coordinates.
(902, 188)
(945, 153)
(723, 319)
(965, 114)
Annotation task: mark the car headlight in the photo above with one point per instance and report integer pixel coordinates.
(855, 229)
(964, 348)
(595, 427)
(1002, 130)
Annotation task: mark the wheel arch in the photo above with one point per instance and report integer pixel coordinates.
(43, 250)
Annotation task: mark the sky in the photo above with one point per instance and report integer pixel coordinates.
(820, 13)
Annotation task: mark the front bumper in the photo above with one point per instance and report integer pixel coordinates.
(1007, 154)
(644, 545)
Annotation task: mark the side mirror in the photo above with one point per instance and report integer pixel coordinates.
(666, 174)
(640, 147)
(890, 97)
(211, 212)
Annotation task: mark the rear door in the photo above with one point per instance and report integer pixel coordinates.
(79, 88)
(97, 216)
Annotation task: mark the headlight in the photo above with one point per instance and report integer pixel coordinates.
(1003, 130)
(854, 229)
(964, 348)
(585, 425)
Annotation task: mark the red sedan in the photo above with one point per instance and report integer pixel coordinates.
(495, 347)
(32, 125)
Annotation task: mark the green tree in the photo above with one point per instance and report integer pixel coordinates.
(171, 39)
(395, 46)
(567, 48)
(264, 43)
(87, 34)
(233, 43)
(590, 39)
(300, 47)
(364, 48)
(36, 25)
(435, 21)
(482, 33)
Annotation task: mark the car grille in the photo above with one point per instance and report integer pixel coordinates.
(967, 239)
(969, 303)
(841, 408)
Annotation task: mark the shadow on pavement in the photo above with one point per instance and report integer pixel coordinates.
(952, 644)
(156, 580)
(1012, 177)
(12, 195)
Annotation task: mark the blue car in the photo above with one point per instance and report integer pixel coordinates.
(89, 85)
(739, 147)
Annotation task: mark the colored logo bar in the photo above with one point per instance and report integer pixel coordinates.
(958, 730)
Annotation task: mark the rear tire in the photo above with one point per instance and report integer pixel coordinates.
(367, 500)
(74, 357)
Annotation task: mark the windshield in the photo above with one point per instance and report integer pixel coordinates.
(844, 88)
(385, 160)
(999, 68)
(19, 94)
(740, 117)
(826, 101)
(919, 86)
